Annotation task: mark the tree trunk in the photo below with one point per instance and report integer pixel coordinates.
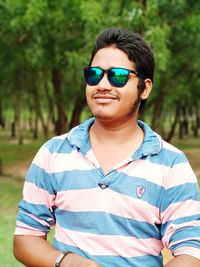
(143, 26)
(157, 111)
(1, 166)
(30, 119)
(13, 129)
(17, 107)
(37, 107)
(183, 122)
(173, 126)
(35, 131)
(78, 107)
(185, 119)
(51, 112)
(2, 121)
(196, 121)
(61, 123)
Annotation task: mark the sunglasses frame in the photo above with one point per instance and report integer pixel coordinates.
(109, 79)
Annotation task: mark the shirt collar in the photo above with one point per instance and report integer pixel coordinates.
(79, 135)
(152, 143)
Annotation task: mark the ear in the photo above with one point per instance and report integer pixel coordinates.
(147, 90)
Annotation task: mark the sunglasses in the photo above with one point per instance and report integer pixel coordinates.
(117, 77)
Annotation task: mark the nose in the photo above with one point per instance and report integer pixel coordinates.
(104, 84)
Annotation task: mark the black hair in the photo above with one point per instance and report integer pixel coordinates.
(134, 46)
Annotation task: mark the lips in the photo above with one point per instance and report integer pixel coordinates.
(104, 99)
(104, 96)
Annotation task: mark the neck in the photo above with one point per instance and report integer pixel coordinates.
(116, 133)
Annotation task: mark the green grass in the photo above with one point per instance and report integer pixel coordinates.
(10, 191)
(188, 142)
(11, 152)
(191, 147)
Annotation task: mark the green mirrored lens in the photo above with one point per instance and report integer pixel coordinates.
(118, 77)
(93, 75)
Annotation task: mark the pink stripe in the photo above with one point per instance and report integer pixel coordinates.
(171, 147)
(160, 174)
(181, 209)
(107, 201)
(90, 155)
(192, 251)
(109, 245)
(23, 229)
(62, 136)
(140, 169)
(23, 225)
(43, 159)
(180, 174)
(59, 162)
(36, 195)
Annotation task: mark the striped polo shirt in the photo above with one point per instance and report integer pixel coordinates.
(122, 218)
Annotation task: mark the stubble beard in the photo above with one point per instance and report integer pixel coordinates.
(135, 106)
(133, 110)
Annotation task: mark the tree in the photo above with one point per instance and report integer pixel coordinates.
(46, 44)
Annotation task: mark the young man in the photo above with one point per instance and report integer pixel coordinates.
(114, 190)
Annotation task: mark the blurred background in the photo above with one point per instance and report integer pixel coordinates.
(44, 46)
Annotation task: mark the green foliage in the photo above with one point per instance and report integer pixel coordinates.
(37, 37)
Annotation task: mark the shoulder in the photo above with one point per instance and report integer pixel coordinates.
(158, 150)
(172, 154)
(75, 138)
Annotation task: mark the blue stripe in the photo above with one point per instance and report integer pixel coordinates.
(190, 243)
(122, 183)
(40, 211)
(77, 179)
(103, 223)
(167, 158)
(181, 220)
(88, 179)
(118, 182)
(41, 179)
(114, 261)
(180, 193)
(191, 232)
(56, 145)
(61, 181)
(29, 221)
(127, 185)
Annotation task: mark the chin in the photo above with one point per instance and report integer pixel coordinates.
(103, 116)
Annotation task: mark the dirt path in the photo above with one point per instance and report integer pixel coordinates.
(193, 157)
(18, 170)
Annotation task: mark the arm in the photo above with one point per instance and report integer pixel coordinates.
(180, 215)
(183, 261)
(35, 251)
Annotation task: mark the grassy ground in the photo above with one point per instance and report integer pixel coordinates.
(10, 190)
(191, 147)
(15, 159)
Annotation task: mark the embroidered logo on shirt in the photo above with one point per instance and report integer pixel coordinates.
(140, 190)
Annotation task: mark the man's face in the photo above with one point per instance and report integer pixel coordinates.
(107, 102)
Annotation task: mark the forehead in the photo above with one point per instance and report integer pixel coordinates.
(111, 57)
